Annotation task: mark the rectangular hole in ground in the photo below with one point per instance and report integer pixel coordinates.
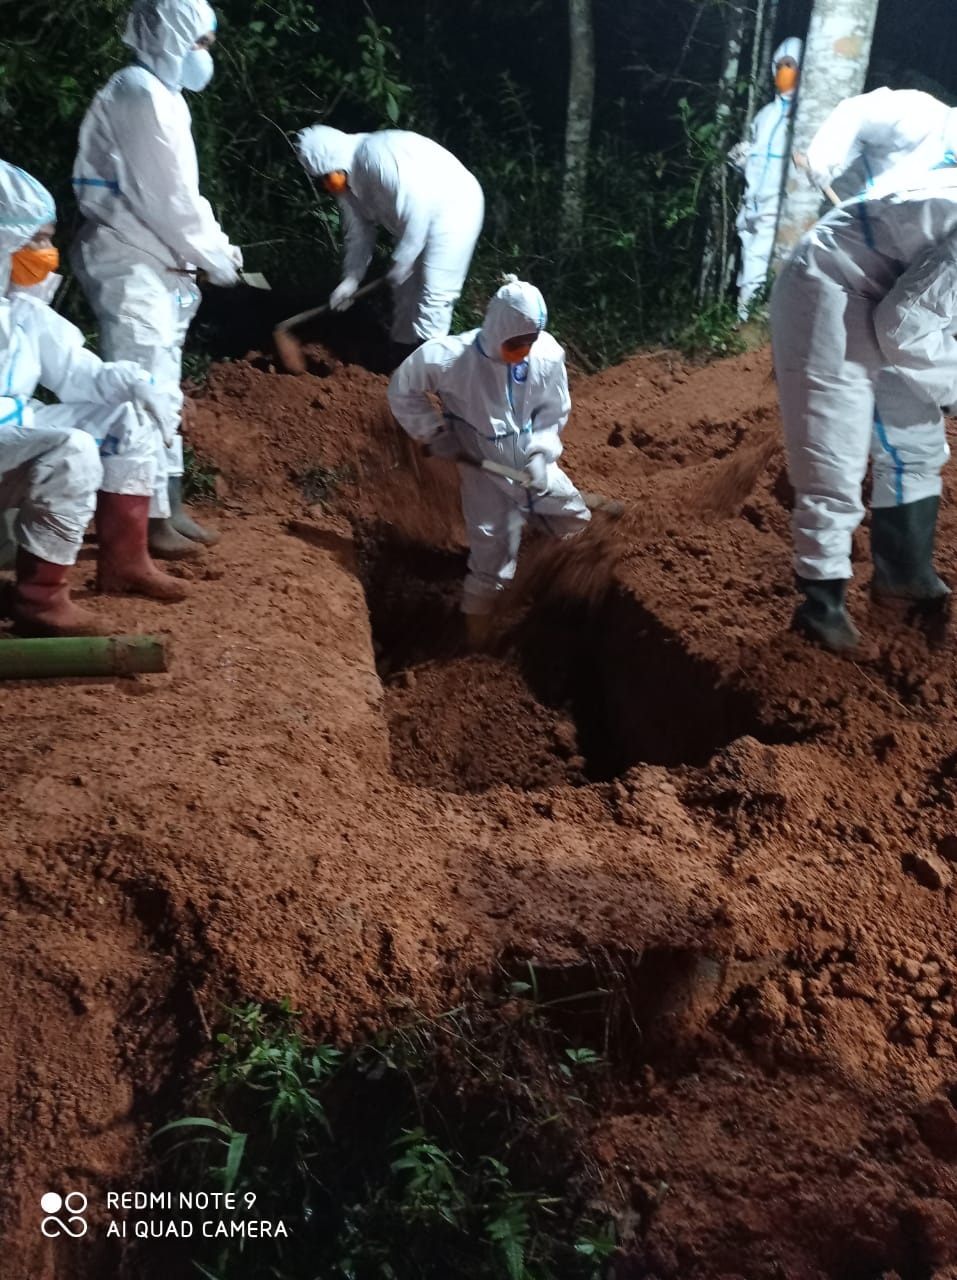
(574, 695)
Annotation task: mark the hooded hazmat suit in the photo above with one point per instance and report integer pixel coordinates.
(863, 318)
(506, 413)
(423, 197)
(147, 228)
(762, 157)
(873, 135)
(54, 458)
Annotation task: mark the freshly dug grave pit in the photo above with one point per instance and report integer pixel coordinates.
(801, 1117)
(574, 692)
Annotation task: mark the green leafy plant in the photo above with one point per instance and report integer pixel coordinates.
(199, 478)
(371, 1155)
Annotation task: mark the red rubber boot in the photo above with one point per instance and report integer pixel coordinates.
(124, 564)
(41, 604)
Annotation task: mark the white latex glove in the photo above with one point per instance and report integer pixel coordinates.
(147, 396)
(738, 155)
(398, 273)
(341, 297)
(444, 444)
(235, 255)
(225, 275)
(536, 468)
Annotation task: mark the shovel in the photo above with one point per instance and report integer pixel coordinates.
(287, 347)
(593, 501)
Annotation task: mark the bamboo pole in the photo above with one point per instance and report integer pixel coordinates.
(82, 656)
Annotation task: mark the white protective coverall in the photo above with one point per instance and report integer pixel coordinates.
(762, 156)
(507, 413)
(863, 318)
(423, 197)
(873, 135)
(54, 458)
(147, 227)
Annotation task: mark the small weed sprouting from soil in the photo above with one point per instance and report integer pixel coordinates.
(199, 478)
(440, 1148)
(319, 484)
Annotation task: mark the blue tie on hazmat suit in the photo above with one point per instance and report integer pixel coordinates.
(424, 197)
(146, 227)
(506, 413)
(762, 157)
(103, 434)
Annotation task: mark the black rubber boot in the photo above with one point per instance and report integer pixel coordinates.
(902, 548)
(822, 615)
(182, 521)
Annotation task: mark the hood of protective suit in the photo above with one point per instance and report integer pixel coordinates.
(25, 206)
(324, 150)
(792, 47)
(517, 308)
(162, 32)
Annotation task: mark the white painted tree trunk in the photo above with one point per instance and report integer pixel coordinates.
(834, 67)
(581, 93)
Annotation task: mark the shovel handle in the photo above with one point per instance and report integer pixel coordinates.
(593, 501)
(285, 325)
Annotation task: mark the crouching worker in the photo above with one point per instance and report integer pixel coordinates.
(54, 458)
(504, 396)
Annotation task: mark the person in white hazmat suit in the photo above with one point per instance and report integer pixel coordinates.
(503, 390)
(54, 458)
(424, 197)
(868, 137)
(762, 157)
(147, 228)
(863, 319)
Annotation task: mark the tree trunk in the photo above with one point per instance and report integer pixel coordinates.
(581, 92)
(714, 263)
(768, 41)
(834, 67)
(758, 77)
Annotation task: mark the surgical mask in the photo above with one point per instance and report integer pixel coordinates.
(30, 266)
(197, 70)
(335, 182)
(515, 355)
(785, 79)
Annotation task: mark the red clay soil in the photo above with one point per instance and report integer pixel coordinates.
(328, 800)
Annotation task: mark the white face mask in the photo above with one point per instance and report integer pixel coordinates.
(45, 291)
(197, 70)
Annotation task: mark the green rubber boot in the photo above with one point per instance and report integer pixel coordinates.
(902, 548)
(822, 615)
(182, 521)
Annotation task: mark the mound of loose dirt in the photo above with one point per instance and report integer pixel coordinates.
(650, 787)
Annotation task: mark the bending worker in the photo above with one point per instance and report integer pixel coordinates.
(423, 197)
(54, 458)
(504, 396)
(871, 135)
(863, 318)
(148, 228)
(762, 156)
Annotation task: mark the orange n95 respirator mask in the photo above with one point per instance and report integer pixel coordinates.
(30, 266)
(785, 79)
(514, 351)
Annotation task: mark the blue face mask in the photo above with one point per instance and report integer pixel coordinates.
(197, 70)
